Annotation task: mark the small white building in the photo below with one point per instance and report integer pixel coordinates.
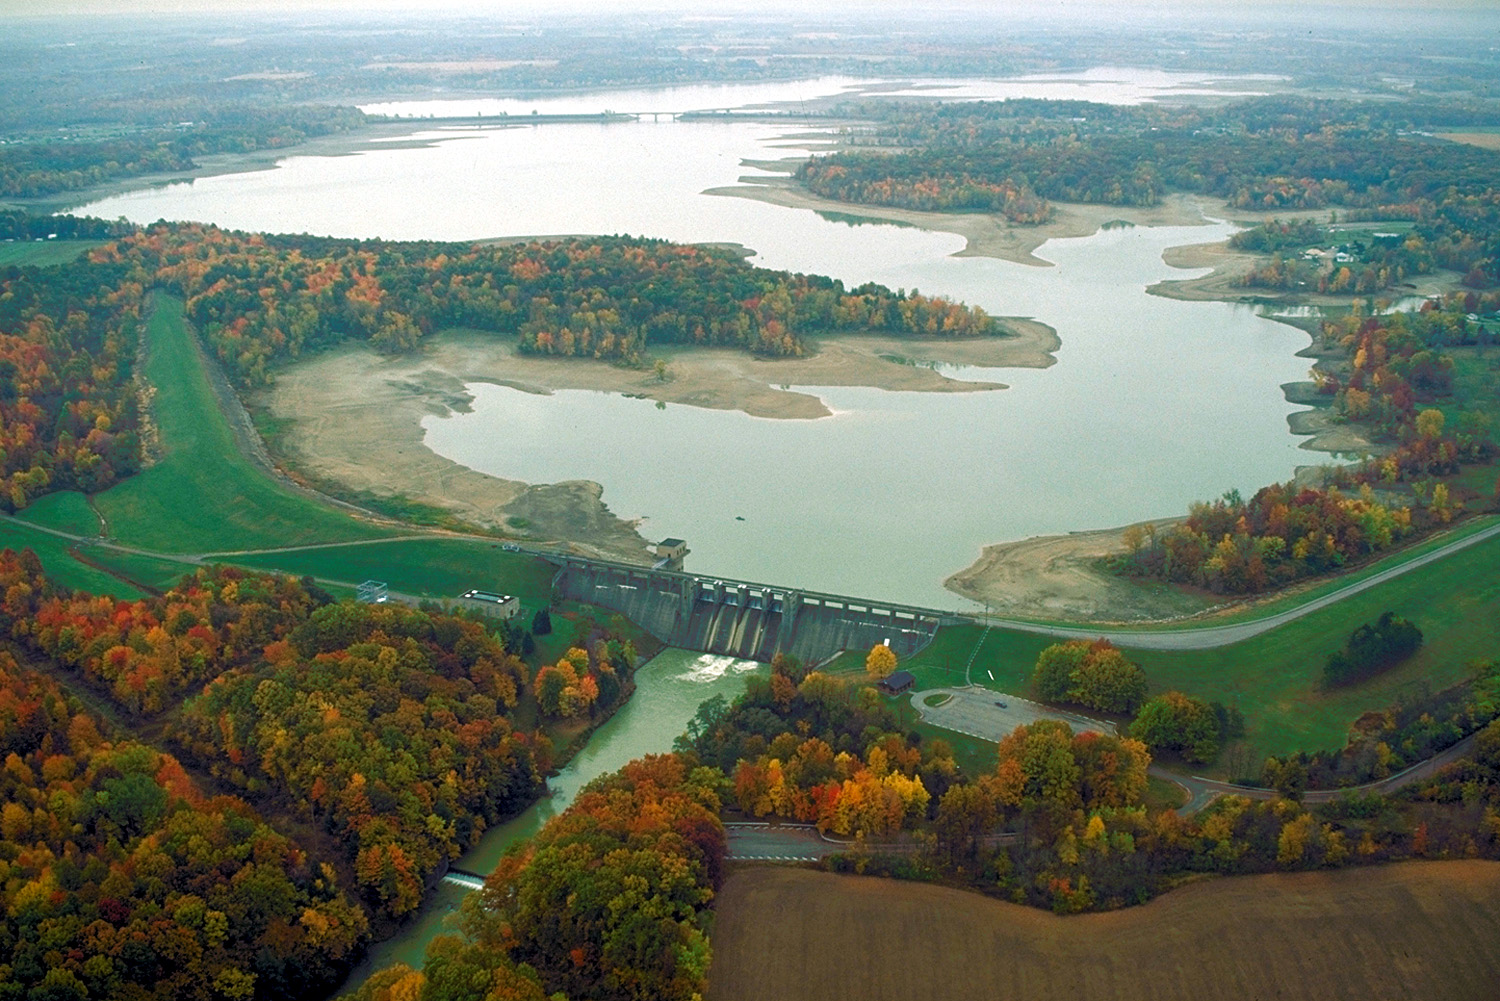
(498, 606)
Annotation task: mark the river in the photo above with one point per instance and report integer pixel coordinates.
(669, 690)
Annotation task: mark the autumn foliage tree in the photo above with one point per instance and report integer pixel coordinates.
(388, 725)
(611, 898)
(880, 661)
(1173, 721)
(120, 878)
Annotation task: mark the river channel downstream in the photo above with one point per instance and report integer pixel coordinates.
(669, 690)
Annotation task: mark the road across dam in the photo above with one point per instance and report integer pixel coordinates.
(744, 619)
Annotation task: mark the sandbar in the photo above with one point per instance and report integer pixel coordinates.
(353, 416)
(986, 234)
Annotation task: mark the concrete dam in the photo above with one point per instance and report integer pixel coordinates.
(744, 619)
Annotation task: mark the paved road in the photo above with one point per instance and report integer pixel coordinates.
(780, 843)
(1204, 791)
(977, 712)
(1209, 637)
(1188, 638)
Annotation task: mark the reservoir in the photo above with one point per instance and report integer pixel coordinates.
(1153, 403)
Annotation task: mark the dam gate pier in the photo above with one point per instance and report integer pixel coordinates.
(745, 619)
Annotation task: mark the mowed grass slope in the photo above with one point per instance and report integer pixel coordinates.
(205, 495)
(43, 253)
(436, 568)
(67, 511)
(59, 563)
(1276, 678)
(1420, 930)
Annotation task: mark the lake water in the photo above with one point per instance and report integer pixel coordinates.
(1154, 403)
(669, 690)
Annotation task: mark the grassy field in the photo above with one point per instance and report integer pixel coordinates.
(66, 511)
(205, 495)
(59, 563)
(437, 568)
(1421, 930)
(43, 253)
(1273, 678)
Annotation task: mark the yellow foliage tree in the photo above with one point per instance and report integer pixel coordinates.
(880, 661)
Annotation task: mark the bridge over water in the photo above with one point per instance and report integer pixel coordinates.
(743, 618)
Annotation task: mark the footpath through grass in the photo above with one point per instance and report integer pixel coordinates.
(67, 511)
(205, 495)
(60, 564)
(435, 568)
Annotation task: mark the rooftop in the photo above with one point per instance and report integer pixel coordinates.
(498, 599)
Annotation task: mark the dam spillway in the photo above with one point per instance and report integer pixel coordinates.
(745, 619)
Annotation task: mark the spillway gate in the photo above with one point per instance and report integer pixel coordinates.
(743, 618)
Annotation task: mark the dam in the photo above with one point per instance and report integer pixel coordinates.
(745, 619)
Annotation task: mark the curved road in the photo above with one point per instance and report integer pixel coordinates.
(1188, 638)
(1208, 637)
(767, 842)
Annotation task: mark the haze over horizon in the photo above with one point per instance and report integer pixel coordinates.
(1060, 9)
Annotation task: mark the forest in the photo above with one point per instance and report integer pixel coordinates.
(400, 734)
(70, 412)
(1361, 160)
(49, 166)
(261, 299)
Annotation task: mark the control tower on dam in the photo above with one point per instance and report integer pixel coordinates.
(745, 619)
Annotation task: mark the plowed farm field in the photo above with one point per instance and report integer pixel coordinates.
(1428, 930)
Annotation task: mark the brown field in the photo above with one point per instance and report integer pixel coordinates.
(1421, 930)
(1484, 140)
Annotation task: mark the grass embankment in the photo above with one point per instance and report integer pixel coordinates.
(67, 511)
(43, 253)
(205, 495)
(59, 562)
(1274, 678)
(1414, 930)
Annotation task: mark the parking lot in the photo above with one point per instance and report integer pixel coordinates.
(976, 712)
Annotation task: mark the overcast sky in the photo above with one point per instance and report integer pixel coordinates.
(43, 7)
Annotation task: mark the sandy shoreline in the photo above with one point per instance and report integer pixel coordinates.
(986, 235)
(1053, 577)
(353, 416)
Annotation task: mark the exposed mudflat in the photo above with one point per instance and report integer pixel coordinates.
(353, 417)
(988, 235)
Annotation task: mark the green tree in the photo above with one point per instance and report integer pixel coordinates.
(1177, 722)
